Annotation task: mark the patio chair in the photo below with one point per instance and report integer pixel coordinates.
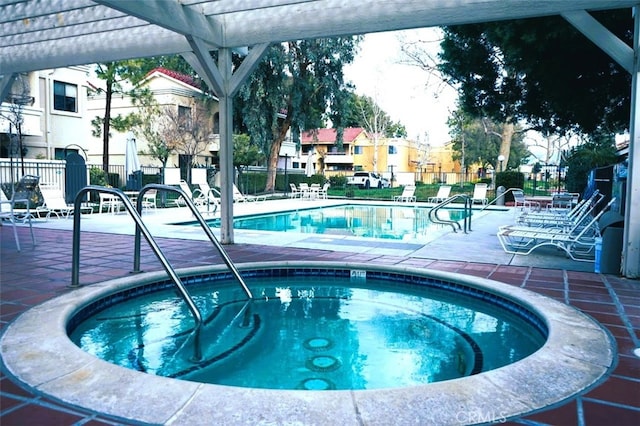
(149, 200)
(578, 242)
(322, 193)
(520, 200)
(111, 202)
(23, 193)
(241, 198)
(293, 191)
(480, 194)
(407, 196)
(443, 194)
(55, 203)
(305, 191)
(562, 201)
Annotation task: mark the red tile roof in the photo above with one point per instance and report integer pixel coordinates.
(187, 79)
(329, 135)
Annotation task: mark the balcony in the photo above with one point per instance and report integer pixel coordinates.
(338, 158)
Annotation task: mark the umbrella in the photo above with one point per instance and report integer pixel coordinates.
(310, 170)
(131, 162)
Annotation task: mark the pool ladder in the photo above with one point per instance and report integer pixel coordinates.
(468, 203)
(136, 214)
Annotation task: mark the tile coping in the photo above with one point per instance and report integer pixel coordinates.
(578, 355)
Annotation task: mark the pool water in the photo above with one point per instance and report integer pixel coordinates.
(310, 333)
(374, 221)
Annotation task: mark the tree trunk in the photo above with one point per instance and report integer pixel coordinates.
(274, 154)
(508, 129)
(106, 129)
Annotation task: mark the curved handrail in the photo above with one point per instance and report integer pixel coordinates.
(433, 213)
(201, 221)
(140, 227)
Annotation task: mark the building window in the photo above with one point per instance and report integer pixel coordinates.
(184, 116)
(393, 149)
(357, 150)
(65, 96)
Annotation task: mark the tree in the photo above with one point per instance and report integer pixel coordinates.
(542, 71)
(298, 86)
(187, 130)
(114, 74)
(364, 111)
(478, 141)
(245, 154)
(14, 115)
(598, 150)
(124, 77)
(149, 125)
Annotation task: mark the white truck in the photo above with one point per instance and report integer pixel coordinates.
(366, 180)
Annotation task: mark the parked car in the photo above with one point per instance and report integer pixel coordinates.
(366, 180)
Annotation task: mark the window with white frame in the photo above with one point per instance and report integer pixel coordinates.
(393, 149)
(65, 97)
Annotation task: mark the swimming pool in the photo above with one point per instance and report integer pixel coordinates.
(392, 221)
(37, 351)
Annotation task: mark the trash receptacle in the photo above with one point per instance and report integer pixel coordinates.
(500, 195)
(612, 229)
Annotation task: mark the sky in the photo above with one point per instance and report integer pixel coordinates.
(406, 93)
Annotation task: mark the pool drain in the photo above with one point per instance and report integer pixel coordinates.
(316, 383)
(323, 363)
(317, 344)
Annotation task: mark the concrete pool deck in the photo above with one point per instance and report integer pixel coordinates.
(39, 273)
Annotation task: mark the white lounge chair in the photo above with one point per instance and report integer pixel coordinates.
(407, 196)
(22, 194)
(578, 241)
(443, 194)
(479, 194)
(241, 198)
(54, 202)
(562, 217)
(199, 200)
(211, 197)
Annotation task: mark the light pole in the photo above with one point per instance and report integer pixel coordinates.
(501, 159)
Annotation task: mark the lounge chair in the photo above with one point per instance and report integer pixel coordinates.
(54, 202)
(199, 200)
(241, 198)
(443, 194)
(22, 194)
(578, 241)
(562, 217)
(211, 197)
(407, 196)
(480, 194)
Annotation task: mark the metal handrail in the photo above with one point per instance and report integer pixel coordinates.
(468, 203)
(500, 196)
(201, 221)
(140, 227)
